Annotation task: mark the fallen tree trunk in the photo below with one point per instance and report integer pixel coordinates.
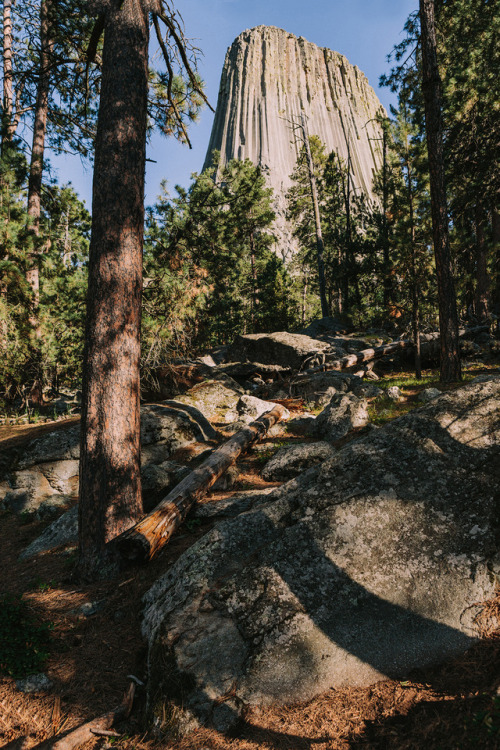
(366, 355)
(146, 538)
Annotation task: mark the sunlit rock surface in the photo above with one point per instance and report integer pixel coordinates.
(366, 566)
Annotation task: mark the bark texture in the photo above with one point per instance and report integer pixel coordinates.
(482, 280)
(432, 91)
(37, 152)
(7, 69)
(320, 247)
(110, 485)
(495, 226)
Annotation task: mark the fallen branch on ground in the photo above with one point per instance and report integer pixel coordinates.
(366, 355)
(142, 541)
(100, 726)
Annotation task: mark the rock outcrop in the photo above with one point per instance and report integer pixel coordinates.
(47, 467)
(281, 348)
(366, 566)
(269, 77)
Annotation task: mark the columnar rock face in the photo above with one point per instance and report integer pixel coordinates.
(269, 78)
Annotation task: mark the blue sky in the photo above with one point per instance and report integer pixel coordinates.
(363, 30)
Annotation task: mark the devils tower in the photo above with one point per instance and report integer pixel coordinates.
(269, 77)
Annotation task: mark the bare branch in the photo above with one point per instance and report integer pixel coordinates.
(180, 43)
(164, 50)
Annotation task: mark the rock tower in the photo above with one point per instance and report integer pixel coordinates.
(269, 78)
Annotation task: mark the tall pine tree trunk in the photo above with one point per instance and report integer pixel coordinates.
(385, 230)
(432, 91)
(482, 281)
(7, 72)
(304, 295)
(110, 483)
(415, 297)
(37, 151)
(320, 248)
(495, 231)
(255, 300)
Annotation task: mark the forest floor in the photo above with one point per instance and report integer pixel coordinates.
(91, 656)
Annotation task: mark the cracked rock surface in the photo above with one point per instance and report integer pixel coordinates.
(366, 566)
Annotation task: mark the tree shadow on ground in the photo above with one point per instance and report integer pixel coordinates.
(387, 636)
(359, 604)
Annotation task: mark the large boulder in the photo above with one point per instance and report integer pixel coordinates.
(365, 567)
(319, 387)
(291, 460)
(174, 425)
(344, 413)
(281, 348)
(328, 326)
(62, 531)
(48, 465)
(31, 487)
(244, 371)
(251, 408)
(214, 398)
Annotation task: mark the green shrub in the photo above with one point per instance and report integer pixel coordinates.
(487, 721)
(24, 640)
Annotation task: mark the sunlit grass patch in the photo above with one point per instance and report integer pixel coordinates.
(384, 410)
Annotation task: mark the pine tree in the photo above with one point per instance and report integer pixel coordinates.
(110, 487)
(432, 93)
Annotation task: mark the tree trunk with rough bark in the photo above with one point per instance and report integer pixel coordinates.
(37, 152)
(415, 307)
(110, 482)
(255, 299)
(385, 229)
(495, 231)
(7, 72)
(482, 281)
(432, 92)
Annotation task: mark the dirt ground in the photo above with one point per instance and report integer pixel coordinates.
(452, 707)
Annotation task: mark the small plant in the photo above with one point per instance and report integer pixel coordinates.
(384, 410)
(264, 456)
(487, 721)
(46, 585)
(193, 524)
(25, 517)
(24, 640)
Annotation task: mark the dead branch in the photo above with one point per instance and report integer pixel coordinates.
(142, 541)
(99, 726)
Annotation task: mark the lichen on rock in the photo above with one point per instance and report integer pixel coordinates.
(366, 566)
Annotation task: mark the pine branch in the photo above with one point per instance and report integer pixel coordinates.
(181, 47)
(164, 50)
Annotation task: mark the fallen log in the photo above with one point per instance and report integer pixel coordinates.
(142, 541)
(100, 726)
(365, 355)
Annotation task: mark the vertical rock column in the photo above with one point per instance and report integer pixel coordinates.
(269, 77)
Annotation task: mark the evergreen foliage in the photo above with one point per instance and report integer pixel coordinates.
(210, 269)
(468, 58)
(24, 641)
